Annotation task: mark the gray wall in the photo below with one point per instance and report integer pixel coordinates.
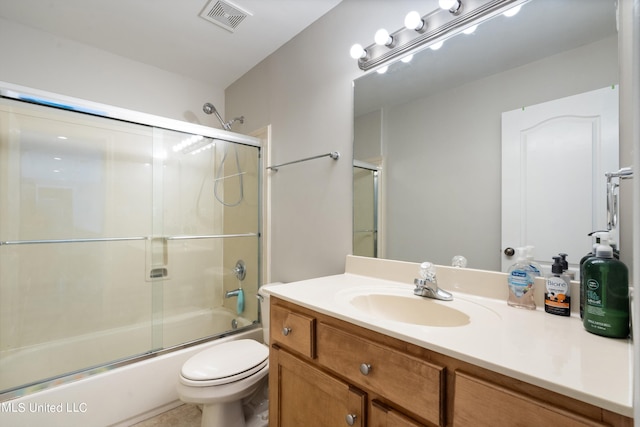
(304, 91)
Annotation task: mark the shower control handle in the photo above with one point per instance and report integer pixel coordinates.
(351, 419)
(286, 331)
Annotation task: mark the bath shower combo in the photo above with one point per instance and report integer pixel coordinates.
(103, 199)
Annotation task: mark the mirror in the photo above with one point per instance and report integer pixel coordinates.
(433, 126)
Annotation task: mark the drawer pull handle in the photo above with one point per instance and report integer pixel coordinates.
(286, 331)
(365, 368)
(351, 419)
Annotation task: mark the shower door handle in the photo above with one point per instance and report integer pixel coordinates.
(158, 273)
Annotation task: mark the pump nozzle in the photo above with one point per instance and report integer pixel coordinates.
(565, 263)
(557, 267)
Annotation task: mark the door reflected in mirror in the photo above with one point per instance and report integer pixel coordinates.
(436, 124)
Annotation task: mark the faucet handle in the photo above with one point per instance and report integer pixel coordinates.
(428, 271)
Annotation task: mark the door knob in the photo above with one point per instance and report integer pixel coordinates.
(509, 252)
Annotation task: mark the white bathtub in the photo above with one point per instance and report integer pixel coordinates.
(119, 397)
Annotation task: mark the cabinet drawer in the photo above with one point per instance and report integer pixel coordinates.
(413, 384)
(382, 416)
(293, 330)
(480, 403)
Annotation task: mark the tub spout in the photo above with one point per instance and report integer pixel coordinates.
(231, 294)
(238, 293)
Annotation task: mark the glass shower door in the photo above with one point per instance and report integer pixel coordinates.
(209, 191)
(75, 210)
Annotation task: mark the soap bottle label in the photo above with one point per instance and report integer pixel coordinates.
(594, 293)
(521, 289)
(520, 282)
(556, 296)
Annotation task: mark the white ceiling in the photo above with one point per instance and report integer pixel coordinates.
(170, 34)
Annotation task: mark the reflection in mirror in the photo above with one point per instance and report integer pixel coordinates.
(365, 209)
(436, 123)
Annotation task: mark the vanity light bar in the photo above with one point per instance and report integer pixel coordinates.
(438, 26)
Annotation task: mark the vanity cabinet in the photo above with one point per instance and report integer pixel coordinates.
(326, 372)
(310, 397)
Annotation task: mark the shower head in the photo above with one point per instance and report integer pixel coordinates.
(208, 108)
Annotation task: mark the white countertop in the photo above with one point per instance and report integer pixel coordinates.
(552, 352)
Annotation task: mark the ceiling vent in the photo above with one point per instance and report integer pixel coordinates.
(224, 13)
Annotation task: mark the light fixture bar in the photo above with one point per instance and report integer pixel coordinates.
(440, 25)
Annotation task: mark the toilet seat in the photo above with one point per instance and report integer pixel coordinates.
(225, 363)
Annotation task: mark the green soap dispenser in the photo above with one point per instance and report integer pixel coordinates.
(596, 237)
(606, 306)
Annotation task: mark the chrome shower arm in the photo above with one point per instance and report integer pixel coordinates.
(612, 196)
(209, 108)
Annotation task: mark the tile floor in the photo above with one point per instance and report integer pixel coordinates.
(182, 416)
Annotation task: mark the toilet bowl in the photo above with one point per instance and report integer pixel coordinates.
(220, 377)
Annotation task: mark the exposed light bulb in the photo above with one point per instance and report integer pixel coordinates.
(357, 51)
(436, 46)
(382, 70)
(513, 11)
(446, 4)
(407, 59)
(470, 30)
(413, 21)
(382, 37)
(451, 5)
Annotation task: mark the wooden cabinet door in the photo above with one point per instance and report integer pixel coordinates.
(478, 403)
(301, 395)
(382, 416)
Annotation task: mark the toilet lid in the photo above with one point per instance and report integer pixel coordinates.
(225, 360)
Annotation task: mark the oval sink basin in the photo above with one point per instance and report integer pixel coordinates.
(400, 305)
(419, 311)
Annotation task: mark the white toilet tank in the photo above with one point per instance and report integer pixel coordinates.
(264, 308)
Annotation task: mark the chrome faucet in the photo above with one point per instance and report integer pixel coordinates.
(427, 284)
(234, 293)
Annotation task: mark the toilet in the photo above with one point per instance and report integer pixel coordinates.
(221, 377)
